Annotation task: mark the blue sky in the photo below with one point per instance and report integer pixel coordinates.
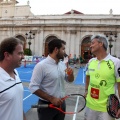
(47, 7)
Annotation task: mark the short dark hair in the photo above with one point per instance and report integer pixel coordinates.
(55, 43)
(8, 45)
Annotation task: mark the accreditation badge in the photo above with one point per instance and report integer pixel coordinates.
(94, 93)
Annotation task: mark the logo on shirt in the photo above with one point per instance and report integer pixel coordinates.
(95, 93)
(91, 69)
(109, 66)
(97, 75)
(103, 83)
(94, 85)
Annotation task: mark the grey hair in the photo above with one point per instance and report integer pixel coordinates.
(102, 39)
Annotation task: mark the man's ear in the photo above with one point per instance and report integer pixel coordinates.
(6, 54)
(101, 44)
(56, 50)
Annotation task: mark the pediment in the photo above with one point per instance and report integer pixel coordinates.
(73, 12)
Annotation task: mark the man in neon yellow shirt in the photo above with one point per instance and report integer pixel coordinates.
(103, 72)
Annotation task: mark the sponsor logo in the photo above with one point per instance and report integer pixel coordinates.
(95, 93)
(93, 85)
(103, 83)
(109, 66)
(97, 75)
(91, 69)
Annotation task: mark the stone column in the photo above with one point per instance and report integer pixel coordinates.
(77, 44)
(63, 35)
(37, 43)
(41, 40)
(68, 42)
(72, 44)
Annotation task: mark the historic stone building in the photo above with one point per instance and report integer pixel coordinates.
(74, 27)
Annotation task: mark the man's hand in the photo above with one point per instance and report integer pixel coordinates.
(56, 101)
(69, 72)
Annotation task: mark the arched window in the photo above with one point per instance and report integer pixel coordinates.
(85, 48)
(23, 39)
(46, 43)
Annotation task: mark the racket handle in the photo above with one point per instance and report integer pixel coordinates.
(40, 106)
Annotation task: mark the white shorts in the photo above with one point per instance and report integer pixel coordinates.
(96, 115)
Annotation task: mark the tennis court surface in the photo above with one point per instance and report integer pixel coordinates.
(29, 99)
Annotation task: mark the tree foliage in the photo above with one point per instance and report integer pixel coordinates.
(28, 52)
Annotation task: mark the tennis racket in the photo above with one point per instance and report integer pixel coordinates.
(75, 103)
(112, 105)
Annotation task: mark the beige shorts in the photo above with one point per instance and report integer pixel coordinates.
(96, 115)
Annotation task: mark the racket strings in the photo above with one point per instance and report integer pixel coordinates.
(75, 103)
(114, 105)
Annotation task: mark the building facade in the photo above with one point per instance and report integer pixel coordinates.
(74, 27)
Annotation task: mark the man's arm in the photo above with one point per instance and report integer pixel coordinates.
(87, 84)
(44, 95)
(118, 86)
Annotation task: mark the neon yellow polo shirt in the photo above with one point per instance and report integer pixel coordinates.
(103, 76)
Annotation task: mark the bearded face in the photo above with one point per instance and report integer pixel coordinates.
(61, 52)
